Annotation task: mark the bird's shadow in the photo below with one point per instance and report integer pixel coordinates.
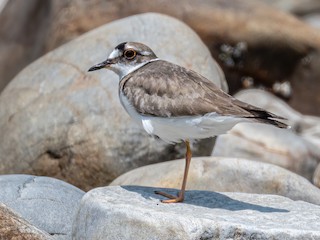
(204, 199)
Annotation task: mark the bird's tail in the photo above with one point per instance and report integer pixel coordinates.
(273, 122)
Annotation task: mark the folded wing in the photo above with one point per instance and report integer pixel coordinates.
(164, 89)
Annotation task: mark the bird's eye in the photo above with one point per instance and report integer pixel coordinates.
(130, 54)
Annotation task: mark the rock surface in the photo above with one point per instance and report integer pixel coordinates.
(48, 204)
(14, 227)
(58, 120)
(224, 175)
(267, 143)
(136, 213)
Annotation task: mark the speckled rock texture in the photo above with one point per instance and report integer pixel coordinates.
(14, 227)
(136, 213)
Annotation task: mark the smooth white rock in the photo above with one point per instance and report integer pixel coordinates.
(132, 212)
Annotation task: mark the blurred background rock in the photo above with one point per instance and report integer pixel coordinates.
(256, 44)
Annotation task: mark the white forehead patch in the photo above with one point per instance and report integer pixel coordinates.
(145, 53)
(129, 46)
(115, 53)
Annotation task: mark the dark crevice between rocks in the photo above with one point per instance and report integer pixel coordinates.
(266, 63)
(58, 234)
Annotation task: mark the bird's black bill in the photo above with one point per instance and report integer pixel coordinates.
(100, 65)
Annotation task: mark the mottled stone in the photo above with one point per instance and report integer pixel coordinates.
(136, 213)
(224, 175)
(13, 227)
(46, 203)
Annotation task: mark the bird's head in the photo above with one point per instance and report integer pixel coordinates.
(126, 58)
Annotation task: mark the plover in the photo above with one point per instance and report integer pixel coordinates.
(174, 103)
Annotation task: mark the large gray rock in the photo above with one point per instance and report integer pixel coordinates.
(137, 213)
(13, 226)
(269, 144)
(58, 120)
(224, 175)
(48, 204)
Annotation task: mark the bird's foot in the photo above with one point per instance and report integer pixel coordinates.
(172, 198)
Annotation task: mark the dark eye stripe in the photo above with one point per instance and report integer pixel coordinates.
(121, 46)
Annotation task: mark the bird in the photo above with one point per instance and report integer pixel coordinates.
(174, 103)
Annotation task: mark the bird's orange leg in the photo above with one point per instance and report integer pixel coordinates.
(180, 197)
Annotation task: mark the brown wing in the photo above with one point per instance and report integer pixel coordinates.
(164, 89)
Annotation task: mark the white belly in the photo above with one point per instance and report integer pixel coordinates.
(177, 129)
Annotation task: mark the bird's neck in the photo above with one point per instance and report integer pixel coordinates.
(124, 70)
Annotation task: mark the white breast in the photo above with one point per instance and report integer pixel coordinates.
(130, 109)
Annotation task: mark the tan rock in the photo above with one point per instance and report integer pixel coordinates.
(225, 175)
(13, 226)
